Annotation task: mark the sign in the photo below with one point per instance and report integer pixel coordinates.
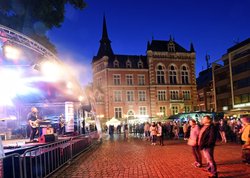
(69, 116)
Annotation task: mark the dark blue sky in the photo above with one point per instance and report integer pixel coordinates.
(212, 25)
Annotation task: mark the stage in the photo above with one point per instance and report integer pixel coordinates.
(21, 145)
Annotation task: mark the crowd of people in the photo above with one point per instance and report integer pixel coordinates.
(201, 136)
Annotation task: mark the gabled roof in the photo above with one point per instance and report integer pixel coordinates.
(162, 46)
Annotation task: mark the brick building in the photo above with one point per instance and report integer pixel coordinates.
(160, 83)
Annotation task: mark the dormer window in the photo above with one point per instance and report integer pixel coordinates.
(128, 64)
(140, 65)
(116, 64)
(171, 47)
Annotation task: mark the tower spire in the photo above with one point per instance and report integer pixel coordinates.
(105, 44)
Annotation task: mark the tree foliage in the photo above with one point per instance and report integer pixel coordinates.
(35, 17)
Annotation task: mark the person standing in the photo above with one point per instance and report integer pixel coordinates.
(159, 133)
(153, 133)
(206, 142)
(185, 130)
(222, 130)
(192, 141)
(245, 137)
(32, 119)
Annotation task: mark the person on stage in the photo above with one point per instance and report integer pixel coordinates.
(32, 119)
(61, 125)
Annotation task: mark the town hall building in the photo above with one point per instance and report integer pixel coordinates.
(141, 87)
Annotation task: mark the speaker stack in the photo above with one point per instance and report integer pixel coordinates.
(47, 135)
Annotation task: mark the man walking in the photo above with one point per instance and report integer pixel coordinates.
(206, 142)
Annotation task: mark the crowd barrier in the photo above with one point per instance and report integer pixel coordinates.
(44, 160)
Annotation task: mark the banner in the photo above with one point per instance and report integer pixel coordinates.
(69, 117)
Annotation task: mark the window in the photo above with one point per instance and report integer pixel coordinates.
(171, 46)
(142, 95)
(128, 64)
(129, 79)
(130, 96)
(142, 110)
(174, 95)
(131, 114)
(187, 109)
(117, 79)
(118, 112)
(140, 65)
(172, 75)
(117, 96)
(175, 110)
(99, 81)
(141, 80)
(184, 75)
(160, 75)
(161, 95)
(163, 110)
(186, 95)
(116, 64)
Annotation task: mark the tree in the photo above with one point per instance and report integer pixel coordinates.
(35, 17)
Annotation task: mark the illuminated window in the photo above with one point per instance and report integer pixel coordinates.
(163, 110)
(142, 110)
(118, 112)
(142, 95)
(175, 110)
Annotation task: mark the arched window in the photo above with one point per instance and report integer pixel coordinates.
(172, 75)
(128, 64)
(184, 75)
(116, 64)
(160, 75)
(131, 114)
(140, 64)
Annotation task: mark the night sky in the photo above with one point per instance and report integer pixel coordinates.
(211, 25)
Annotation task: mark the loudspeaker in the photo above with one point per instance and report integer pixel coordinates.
(46, 131)
(47, 138)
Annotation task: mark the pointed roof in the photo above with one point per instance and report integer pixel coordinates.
(192, 48)
(105, 44)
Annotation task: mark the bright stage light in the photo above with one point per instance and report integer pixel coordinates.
(52, 71)
(11, 52)
(12, 84)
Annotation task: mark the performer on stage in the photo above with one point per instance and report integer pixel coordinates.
(32, 119)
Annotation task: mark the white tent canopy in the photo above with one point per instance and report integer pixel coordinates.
(115, 122)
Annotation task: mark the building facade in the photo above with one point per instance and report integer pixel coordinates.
(160, 83)
(205, 100)
(232, 80)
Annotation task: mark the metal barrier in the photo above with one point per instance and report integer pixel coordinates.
(11, 166)
(44, 160)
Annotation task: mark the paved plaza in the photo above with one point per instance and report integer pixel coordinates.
(135, 157)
